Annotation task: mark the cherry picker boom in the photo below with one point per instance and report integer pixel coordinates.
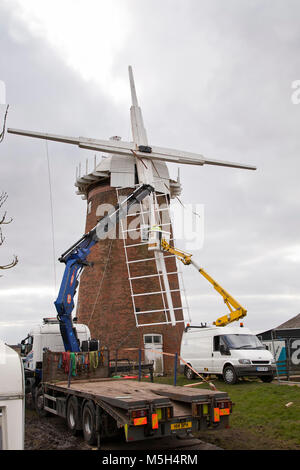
(236, 310)
(75, 259)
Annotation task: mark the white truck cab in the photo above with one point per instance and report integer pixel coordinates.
(44, 336)
(12, 393)
(47, 336)
(229, 352)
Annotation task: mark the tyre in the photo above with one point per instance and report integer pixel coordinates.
(229, 375)
(189, 374)
(89, 423)
(33, 393)
(30, 397)
(73, 415)
(266, 378)
(39, 402)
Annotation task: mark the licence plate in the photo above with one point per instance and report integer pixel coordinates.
(175, 426)
(224, 411)
(262, 369)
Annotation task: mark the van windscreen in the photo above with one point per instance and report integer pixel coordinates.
(243, 342)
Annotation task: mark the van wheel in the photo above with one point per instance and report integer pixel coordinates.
(73, 418)
(189, 374)
(266, 378)
(89, 423)
(229, 375)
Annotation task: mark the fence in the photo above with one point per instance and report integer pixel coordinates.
(286, 351)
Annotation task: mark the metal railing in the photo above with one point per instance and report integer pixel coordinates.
(288, 362)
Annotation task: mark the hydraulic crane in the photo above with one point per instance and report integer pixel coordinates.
(236, 310)
(75, 259)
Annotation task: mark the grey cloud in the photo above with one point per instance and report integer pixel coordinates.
(211, 78)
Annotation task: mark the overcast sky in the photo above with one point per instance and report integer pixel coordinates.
(212, 77)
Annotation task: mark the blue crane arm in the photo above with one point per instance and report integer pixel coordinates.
(75, 259)
(64, 303)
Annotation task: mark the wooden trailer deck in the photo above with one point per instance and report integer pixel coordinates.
(184, 394)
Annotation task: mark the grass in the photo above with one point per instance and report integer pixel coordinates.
(260, 419)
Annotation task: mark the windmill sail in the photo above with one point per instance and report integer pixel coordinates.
(126, 148)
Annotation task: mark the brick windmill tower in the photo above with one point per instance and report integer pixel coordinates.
(131, 296)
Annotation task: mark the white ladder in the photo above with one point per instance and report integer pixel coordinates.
(160, 314)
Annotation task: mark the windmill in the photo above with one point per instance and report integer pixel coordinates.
(146, 158)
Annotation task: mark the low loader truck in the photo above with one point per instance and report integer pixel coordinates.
(101, 406)
(71, 376)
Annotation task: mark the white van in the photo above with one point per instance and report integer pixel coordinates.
(229, 352)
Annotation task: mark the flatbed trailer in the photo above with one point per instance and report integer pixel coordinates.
(103, 407)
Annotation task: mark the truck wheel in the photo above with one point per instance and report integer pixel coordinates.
(32, 396)
(266, 378)
(89, 423)
(229, 375)
(39, 403)
(189, 374)
(73, 419)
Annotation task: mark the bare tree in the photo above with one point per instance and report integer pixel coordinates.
(5, 221)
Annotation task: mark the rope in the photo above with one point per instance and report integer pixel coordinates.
(101, 282)
(80, 362)
(66, 361)
(101, 356)
(176, 197)
(4, 125)
(73, 363)
(211, 385)
(52, 217)
(94, 361)
(86, 361)
(140, 159)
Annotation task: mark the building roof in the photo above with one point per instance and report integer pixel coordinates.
(121, 171)
(291, 323)
(290, 328)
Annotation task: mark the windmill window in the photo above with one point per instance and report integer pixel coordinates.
(148, 339)
(157, 339)
(153, 339)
